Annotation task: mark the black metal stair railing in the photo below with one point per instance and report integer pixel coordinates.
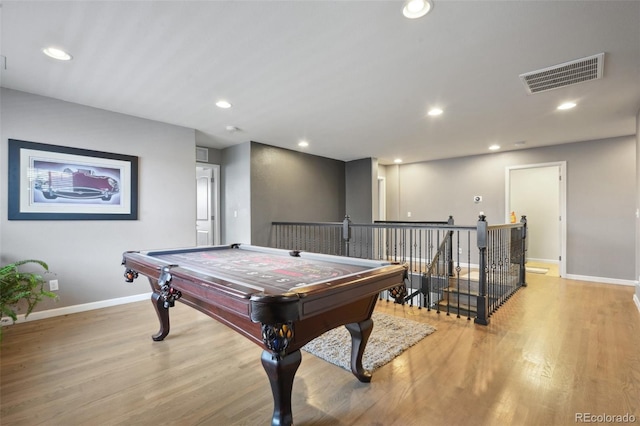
(446, 272)
(502, 270)
(315, 237)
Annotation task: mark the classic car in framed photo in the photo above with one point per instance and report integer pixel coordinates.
(51, 182)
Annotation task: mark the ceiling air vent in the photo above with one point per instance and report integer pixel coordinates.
(562, 75)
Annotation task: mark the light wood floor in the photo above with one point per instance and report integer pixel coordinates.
(557, 348)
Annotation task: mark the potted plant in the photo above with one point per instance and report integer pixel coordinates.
(16, 287)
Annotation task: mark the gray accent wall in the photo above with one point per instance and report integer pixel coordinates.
(85, 256)
(601, 194)
(293, 186)
(360, 180)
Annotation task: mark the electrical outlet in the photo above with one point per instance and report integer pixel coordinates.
(408, 214)
(459, 250)
(53, 285)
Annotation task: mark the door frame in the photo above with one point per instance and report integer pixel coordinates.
(382, 198)
(562, 182)
(214, 199)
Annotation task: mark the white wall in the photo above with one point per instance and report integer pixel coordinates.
(86, 255)
(235, 176)
(637, 295)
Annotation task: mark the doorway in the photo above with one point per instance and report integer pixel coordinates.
(538, 191)
(207, 204)
(382, 198)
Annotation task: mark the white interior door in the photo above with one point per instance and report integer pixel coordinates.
(207, 208)
(538, 191)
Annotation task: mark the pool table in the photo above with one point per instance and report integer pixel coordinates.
(278, 299)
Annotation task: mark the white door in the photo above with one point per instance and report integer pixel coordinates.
(207, 228)
(538, 192)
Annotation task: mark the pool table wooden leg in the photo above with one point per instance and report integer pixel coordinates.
(163, 316)
(281, 371)
(360, 332)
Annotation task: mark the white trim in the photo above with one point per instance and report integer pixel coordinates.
(602, 280)
(636, 301)
(50, 313)
(549, 261)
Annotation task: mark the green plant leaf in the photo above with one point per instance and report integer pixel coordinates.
(21, 287)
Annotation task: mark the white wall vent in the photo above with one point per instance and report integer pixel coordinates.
(202, 155)
(566, 74)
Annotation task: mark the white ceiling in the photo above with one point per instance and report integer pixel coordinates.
(354, 78)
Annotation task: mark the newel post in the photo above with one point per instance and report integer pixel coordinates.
(523, 260)
(450, 250)
(482, 305)
(346, 233)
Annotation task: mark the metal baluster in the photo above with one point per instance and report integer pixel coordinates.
(458, 268)
(469, 274)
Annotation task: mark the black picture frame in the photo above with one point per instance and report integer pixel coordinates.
(52, 182)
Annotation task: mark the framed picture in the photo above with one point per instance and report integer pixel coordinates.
(51, 182)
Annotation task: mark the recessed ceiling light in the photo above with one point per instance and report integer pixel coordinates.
(416, 8)
(303, 144)
(435, 111)
(567, 105)
(55, 53)
(223, 104)
(398, 160)
(494, 147)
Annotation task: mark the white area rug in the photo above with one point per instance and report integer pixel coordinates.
(389, 338)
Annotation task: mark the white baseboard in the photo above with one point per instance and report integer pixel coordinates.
(615, 281)
(549, 261)
(637, 301)
(50, 313)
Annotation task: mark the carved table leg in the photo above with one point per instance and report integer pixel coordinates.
(281, 371)
(360, 332)
(163, 316)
